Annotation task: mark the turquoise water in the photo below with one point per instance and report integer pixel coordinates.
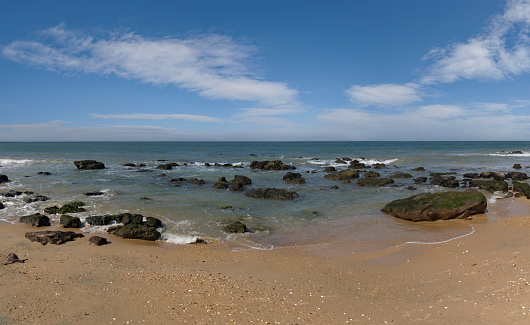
(349, 216)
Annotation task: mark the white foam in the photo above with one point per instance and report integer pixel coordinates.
(178, 239)
(506, 154)
(15, 162)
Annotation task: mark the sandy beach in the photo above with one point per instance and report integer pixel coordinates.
(477, 279)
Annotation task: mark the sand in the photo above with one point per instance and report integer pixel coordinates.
(477, 279)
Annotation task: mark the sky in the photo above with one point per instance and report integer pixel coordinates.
(264, 70)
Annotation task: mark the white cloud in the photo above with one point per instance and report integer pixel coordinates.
(384, 94)
(214, 66)
(500, 52)
(266, 116)
(142, 116)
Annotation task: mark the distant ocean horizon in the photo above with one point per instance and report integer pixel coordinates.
(349, 216)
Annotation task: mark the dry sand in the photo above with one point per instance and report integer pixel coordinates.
(478, 279)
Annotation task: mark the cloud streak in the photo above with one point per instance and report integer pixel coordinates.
(384, 94)
(159, 117)
(213, 66)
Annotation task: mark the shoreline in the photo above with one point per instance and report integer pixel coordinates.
(480, 278)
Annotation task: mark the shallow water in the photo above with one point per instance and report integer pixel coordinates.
(349, 216)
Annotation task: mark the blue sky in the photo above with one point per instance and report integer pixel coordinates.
(232, 70)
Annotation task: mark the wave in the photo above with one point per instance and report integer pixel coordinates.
(6, 162)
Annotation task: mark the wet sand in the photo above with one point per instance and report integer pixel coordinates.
(477, 279)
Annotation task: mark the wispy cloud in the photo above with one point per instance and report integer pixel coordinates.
(213, 66)
(501, 51)
(384, 94)
(266, 116)
(159, 117)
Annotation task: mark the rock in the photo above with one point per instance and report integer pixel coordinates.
(293, 178)
(340, 161)
(52, 237)
(70, 222)
(523, 188)
(94, 193)
(167, 166)
(411, 188)
(371, 174)
(343, 175)
(11, 258)
(222, 183)
(271, 193)
(236, 227)
(129, 218)
(236, 187)
(11, 193)
(99, 220)
(419, 169)
(4, 179)
(51, 210)
(2, 206)
(270, 165)
(98, 240)
(35, 220)
(195, 181)
(153, 222)
(516, 152)
(356, 164)
(517, 176)
(487, 174)
(379, 166)
(330, 169)
(444, 181)
(89, 164)
(438, 206)
(44, 173)
(375, 182)
(401, 175)
(243, 180)
(71, 207)
(419, 180)
(499, 176)
(334, 187)
(471, 175)
(517, 166)
(37, 198)
(490, 186)
(135, 231)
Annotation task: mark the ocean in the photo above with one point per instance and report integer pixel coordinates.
(348, 217)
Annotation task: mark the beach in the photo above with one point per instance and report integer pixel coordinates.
(481, 278)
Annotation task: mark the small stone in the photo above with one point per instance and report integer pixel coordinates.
(98, 240)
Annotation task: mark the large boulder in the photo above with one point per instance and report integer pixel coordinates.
(271, 193)
(375, 182)
(270, 165)
(52, 237)
(490, 186)
(70, 222)
(35, 220)
(89, 164)
(135, 231)
(4, 179)
(99, 220)
(523, 188)
(438, 206)
(343, 175)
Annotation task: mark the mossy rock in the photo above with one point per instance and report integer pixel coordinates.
(70, 222)
(438, 206)
(236, 227)
(490, 186)
(35, 220)
(343, 175)
(99, 220)
(375, 182)
(523, 188)
(135, 231)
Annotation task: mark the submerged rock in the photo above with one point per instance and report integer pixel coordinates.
(35, 220)
(293, 178)
(52, 237)
(375, 182)
(438, 206)
(490, 186)
(271, 193)
(343, 175)
(89, 164)
(37, 198)
(235, 227)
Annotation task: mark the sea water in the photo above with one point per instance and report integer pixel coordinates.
(348, 217)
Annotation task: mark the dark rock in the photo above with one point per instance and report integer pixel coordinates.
(440, 180)
(70, 222)
(523, 188)
(340, 161)
(453, 183)
(293, 178)
(235, 227)
(4, 179)
(89, 164)
(441, 174)
(71, 207)
(411, 188)
(177, 180)
(38, 198)
(330, 169)
(11, 258)
(270, 165)
(471, 175)
(222, 183)
(271, 193)
(419, 180)
(44, 173)
(99, 220)
(343, 175)
(94, 193)
(375, 182)
(379, 166)
(52, 237)
(11, 193)
(35, 220)
(487, 174)
(371, 174)
(195, 181)
(490, 186)
(2, 206)
(499, 176)
(438, 206)
(244, 180)
(334, 187)
(236, 186)
(516, 152)
(517, 176)
(356, 164)
(517, 166)
(135, 231)
(98, 240)
(153, 222)
(419, 169)
(129, 218)
(400, 175)
(167, 166)
(52, 210)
